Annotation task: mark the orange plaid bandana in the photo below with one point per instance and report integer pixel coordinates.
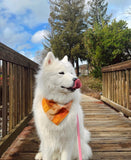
(55, 112)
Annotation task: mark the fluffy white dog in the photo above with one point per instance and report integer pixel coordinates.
(57, 84)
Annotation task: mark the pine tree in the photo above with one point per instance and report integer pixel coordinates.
(67, 27)
(98, 12)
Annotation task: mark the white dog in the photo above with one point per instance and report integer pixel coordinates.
(57, 84)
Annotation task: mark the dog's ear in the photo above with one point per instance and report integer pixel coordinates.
(65, 59)
(49, 59)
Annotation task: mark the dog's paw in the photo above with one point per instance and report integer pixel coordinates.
(38, 156)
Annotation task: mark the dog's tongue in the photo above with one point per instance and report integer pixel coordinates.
(77, 84)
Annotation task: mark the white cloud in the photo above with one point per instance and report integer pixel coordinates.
(39, 36)
(12, 36)
(127, 14)
(116, 7)
(27, 54)
(119, 4)
(124, 15)
(119, 10)
(11, 33)
(16, 17)
(23, 46)
(15, 6)
(29, 12)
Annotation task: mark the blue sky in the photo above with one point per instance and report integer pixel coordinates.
(24, 23)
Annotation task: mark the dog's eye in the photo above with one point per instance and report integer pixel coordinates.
(61, 73)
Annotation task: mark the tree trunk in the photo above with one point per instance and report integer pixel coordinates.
(77, 67)
(71, 59)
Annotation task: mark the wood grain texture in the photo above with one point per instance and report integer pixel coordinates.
(110, 134)
(9, 55)
(16, 90)
(116, 84)
(4, 99)
(117, 67)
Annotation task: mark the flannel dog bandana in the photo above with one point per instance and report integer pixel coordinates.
(55, 112)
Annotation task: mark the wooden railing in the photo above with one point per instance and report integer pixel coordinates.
(117, 86)
(16, 94)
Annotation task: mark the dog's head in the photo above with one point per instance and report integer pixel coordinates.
(58, 77)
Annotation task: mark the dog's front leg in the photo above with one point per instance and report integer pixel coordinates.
(46, 152)
(67, 151)
(46, 155)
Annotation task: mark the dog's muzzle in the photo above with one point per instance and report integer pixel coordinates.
(76, 85)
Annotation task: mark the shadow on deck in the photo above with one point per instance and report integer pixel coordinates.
(111, 134)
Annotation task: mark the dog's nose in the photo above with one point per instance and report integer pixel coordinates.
(74, 79)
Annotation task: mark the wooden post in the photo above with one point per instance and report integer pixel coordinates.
(4, 99)
(127, 88)
(15, 94)
(11, 97)
(120, 87)
(20, 92)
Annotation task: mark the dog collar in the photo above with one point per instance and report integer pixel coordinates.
(55, 112)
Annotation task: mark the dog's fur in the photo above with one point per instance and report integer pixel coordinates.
(59, 142)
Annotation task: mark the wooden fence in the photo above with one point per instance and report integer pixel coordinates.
(16, 92)
(117, 86)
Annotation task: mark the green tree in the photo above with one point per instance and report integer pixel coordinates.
(108, 44)
(98, 12)
(67, 27)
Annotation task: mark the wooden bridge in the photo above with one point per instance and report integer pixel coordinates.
(110, 126)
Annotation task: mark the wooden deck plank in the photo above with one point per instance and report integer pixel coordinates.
(112, 155)
(110, 134)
